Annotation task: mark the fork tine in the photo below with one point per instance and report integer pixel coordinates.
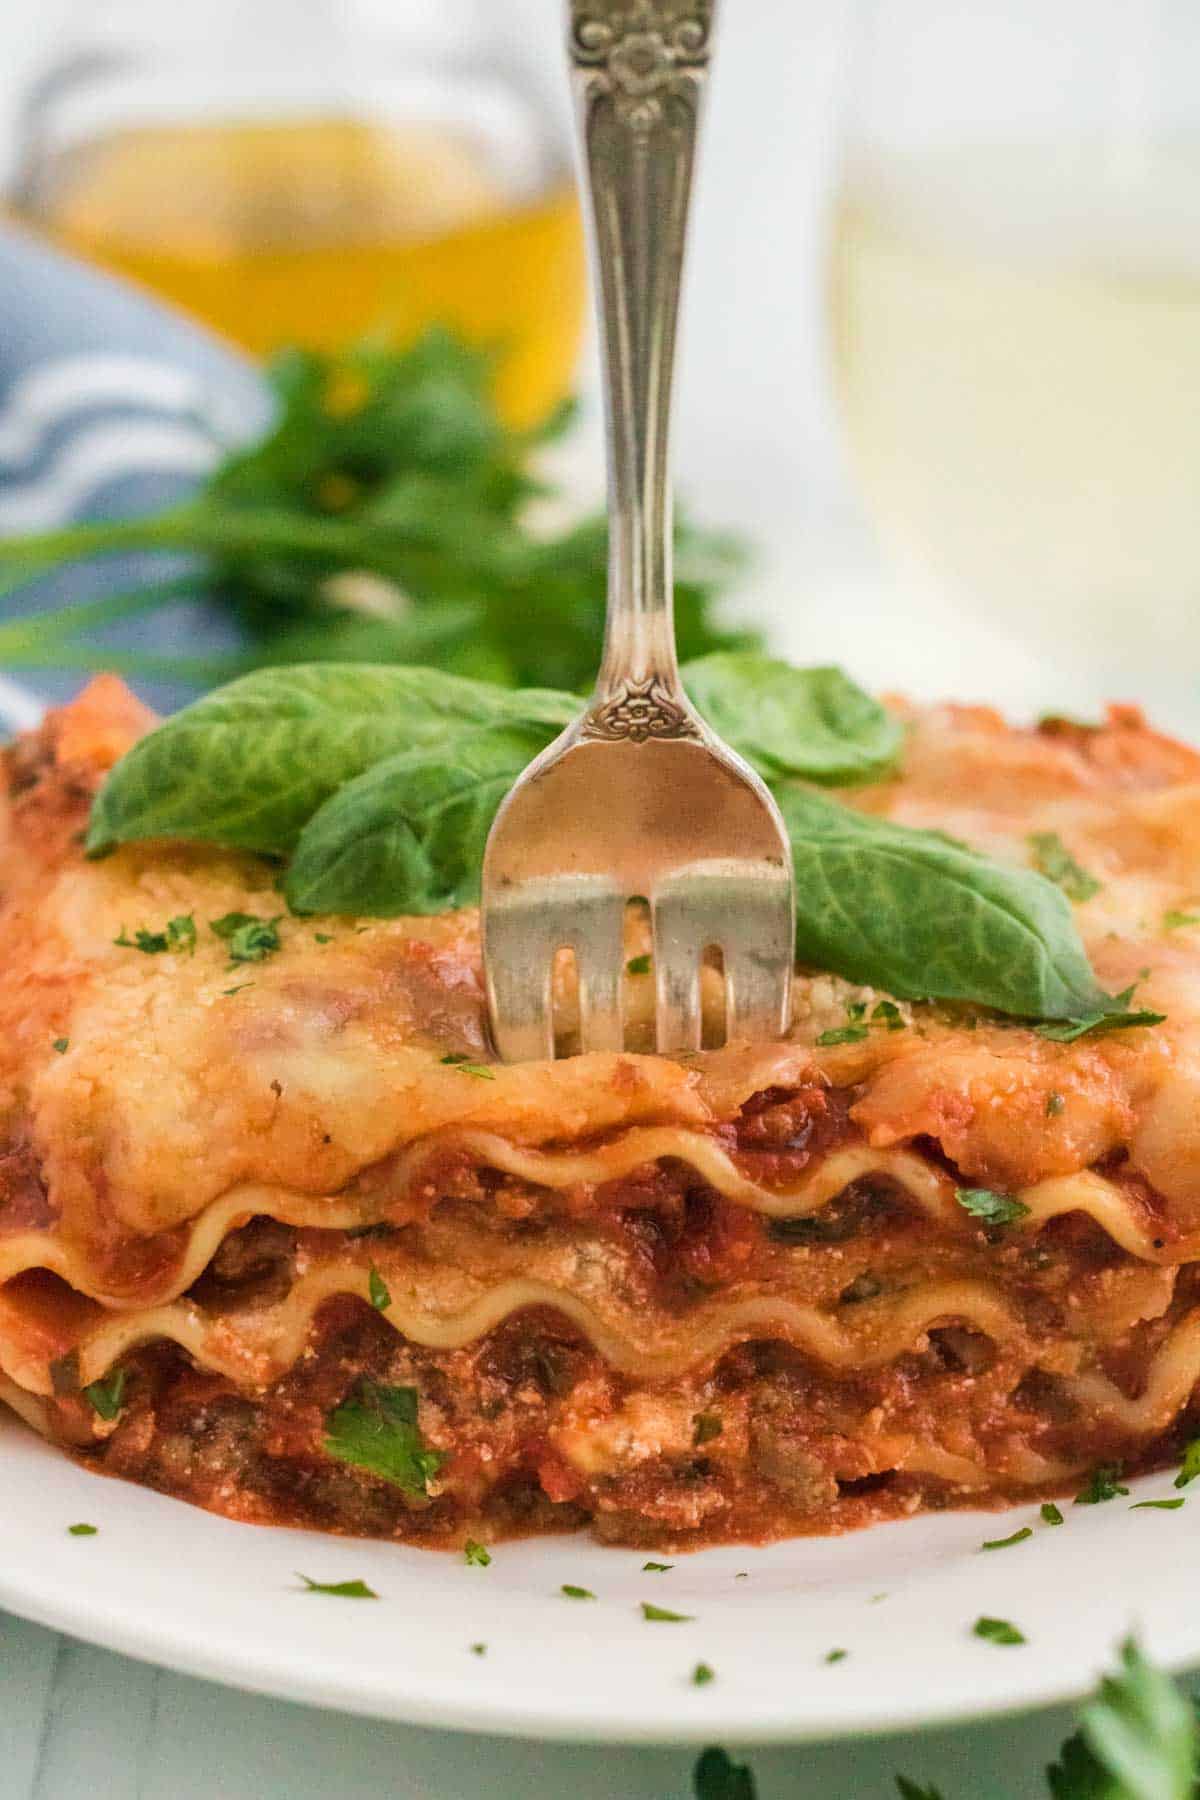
(677, 952)
(757, 1001)
(597, 938)
(519, 967)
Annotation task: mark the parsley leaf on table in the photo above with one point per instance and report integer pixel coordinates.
(716, 1777)
(1136, 1740)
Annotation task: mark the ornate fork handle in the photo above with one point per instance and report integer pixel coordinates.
(640, 69)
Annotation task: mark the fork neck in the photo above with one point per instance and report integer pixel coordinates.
(640, 67)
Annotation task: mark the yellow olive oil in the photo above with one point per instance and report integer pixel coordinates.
(320, 231)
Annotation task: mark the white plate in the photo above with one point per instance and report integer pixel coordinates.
(173, 1585)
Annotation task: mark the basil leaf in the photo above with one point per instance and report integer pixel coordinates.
(408, 836)
(813, 723)
(918, 915)
(248, 766)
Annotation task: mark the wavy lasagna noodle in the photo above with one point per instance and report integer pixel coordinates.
(728, 1297)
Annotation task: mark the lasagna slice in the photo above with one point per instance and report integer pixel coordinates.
(278, 1237)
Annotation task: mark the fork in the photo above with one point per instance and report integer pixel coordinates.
(638, 798)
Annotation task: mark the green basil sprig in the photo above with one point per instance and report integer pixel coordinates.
(381, 784)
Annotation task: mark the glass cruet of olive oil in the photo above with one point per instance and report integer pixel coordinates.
(311, 171)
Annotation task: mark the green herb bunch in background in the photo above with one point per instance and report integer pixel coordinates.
(386, 516)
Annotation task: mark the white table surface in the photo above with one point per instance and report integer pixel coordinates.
(75, 1721)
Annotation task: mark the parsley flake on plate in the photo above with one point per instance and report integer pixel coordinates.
(480, 1071)
(376, 1429)
(106, 1397)
(477, 1554)
(478, 1649)
(702, 1675)
(989, 1207)
(1051, 1514)
(998, 1631)
(82, 1530)
(836, 1656)
(342, 1590)
(653, 1568)
(1018, 1537)
(1158, 1505)
(576, 1593)
(379, 1291)
(1102, 1484)
(1175, 921)
(661, 1615)
(638, 965)
(62, 1045)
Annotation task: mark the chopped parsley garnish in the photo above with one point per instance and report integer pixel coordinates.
(344, 1590)
(888, 1014)
(228, 993)
(1051, 1514)
(323, 937)
(652, 1568)
(250, 939)
(989, 1207)
(480, 1070)
(638, 965)
(715, 1777)
(378, 1289)
(106, 1397)
(478, 1555)
(576, 1593)
(150, 943)
(842, 1034)
(912, 1790)
(1054, 1105)
(1190, 1467)
(1158, 1505)
(705, 1427)
(702, 1675)
(661, 1615)
(1052, 859)
(998, 1631)
(1018, 1537)
(478, 1649)
(1173, 921)
(181, 933)
(376, 1429)
(82, 1530)
(61, 1045)
(1102, 1484)
(836, 1656)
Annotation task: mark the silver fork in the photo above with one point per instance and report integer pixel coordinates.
(638, 798)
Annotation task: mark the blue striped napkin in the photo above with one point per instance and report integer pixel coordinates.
(110, 405)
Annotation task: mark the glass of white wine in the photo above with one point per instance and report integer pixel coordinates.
(1015, 321)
